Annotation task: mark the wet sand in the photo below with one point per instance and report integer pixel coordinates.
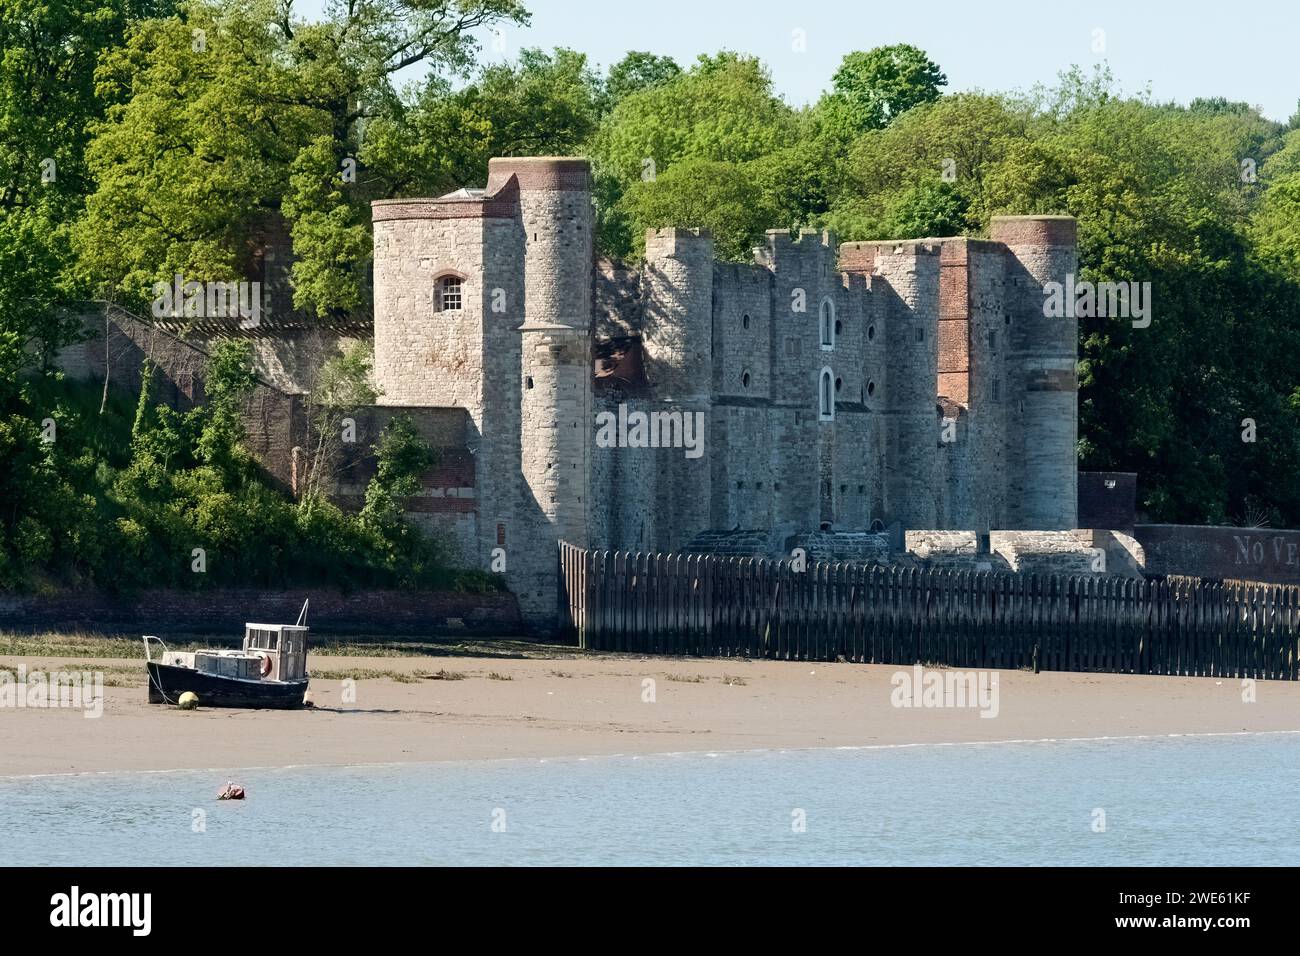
(584, 706)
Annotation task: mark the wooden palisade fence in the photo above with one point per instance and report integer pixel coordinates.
(718, 606)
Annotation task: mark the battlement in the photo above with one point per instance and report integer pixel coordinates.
(879, 248)
(782, 237)
(679, 232)
(541, 173)
(1035, 230)
(782, 245)
(462, 204)
(677, 242)
(861, 257)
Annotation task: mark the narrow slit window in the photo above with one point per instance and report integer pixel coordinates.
(826, 396)
(828, 323)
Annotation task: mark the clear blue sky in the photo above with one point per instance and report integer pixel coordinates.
(1246, 50)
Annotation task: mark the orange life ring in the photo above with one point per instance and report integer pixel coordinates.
(266, 664)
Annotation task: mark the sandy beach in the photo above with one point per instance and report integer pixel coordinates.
(488, 707)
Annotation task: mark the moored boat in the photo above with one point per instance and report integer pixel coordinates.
(269, 671)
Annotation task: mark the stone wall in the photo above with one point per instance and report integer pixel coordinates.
(1044, 552)
(446, 505)
(226, 610)
(1123, 555)
(118, 344)
(556, 421)
(941, 545)
(1251, 554)
(913, 321)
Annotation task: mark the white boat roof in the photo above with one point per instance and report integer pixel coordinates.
(278, 627)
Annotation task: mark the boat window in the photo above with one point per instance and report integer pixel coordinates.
(262, 640)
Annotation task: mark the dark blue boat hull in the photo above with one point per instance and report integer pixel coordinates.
(167, 683)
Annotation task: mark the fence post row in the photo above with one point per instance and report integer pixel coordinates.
(872, 614)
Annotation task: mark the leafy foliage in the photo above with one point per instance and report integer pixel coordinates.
(121, 500)
(872, 88)
(141, 138)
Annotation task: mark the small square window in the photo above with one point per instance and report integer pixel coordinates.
(449, 299)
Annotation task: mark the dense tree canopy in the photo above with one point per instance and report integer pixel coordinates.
(140, 138)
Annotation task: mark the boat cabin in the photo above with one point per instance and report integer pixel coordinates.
(284, 644)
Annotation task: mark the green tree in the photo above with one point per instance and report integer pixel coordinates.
(637, 71)
(342, 385)
(213, 111)
(716, 196)
(331, 235)
(722, 110)
(932, 165)
(47, 101)
(401, 457)
(873, 88)
(542, 104)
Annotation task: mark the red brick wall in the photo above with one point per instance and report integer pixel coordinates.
(857, 257)
(954, 323)
(1034, 230)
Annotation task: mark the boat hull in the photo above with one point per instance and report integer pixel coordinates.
(167, 683)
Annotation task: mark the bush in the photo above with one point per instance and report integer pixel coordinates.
(123, 497)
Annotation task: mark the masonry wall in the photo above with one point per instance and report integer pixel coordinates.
(291, 361)
(424, 356)
(923, 338)
(467, 358)
(973, 348)
(911, 272)
(447, 504)
(1249, 554)
(224, 611)
(274, 420)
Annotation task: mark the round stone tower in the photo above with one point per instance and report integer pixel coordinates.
(557, 219)
(1042, 429)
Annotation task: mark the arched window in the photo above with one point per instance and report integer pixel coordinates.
(449, 294)
(827, 317)
(826, 396)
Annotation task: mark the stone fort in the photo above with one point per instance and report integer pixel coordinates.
(837, 396)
